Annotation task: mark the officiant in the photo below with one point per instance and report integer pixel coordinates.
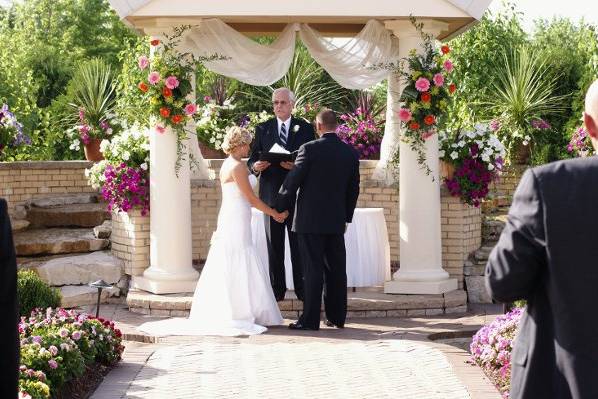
(289, 133)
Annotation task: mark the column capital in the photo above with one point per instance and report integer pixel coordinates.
(404, 28)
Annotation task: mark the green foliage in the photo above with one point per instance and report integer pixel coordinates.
(33, 293)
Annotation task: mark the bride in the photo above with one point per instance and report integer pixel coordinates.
(233, 295)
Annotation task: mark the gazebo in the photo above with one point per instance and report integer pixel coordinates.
(421, 269)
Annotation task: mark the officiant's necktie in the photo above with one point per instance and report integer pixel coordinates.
(283, 134)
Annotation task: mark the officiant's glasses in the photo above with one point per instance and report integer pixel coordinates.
(279, 103)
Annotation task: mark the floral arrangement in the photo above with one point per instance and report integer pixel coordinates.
(478, 157)
(166, 87)
(87, 130)
(360, 130)
(57, 346)
(581, 143)
(518, 141)
(214, 122)
(250, 120)
(11, 131)
(123, 177)
(426, 95)
(492, 346)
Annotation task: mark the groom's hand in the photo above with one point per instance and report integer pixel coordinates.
(260, 166)
(287, 165)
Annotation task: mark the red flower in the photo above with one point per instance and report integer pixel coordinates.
(155, 42)
(165, 112)
(176, 118)
(426, 97)
(452, 88)
(445, 49)
(143, 87)
(429, 120)
(414, 126)
(166, 92)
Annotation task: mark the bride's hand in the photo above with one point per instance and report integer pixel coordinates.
(281, 217)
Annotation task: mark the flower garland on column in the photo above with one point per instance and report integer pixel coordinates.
(167, 87)
(426, 96)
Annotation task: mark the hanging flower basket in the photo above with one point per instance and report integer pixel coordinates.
(92, 150)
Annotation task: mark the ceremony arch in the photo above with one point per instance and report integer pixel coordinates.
(421, 270)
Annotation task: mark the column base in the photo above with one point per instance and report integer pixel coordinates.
(420, 287)
(163, 286)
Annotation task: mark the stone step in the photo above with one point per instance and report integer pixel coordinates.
(64, 200)
(81, 295)
(81, 269)
(476, 290)
(481, 255)
(72, 215)
(57, 241)
(492, 227)
(19, 225)
(474, 269)
(104, 230)
(359, 304)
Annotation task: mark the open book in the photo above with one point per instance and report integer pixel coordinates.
(277, 154)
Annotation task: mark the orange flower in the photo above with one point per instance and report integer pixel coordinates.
(143, 87)
(165, 112)
(414, 125)
(426, 97)
(176, 118)
(429, 120)
(452, 88)
(166, 92)
(155, 42)
(445, 49)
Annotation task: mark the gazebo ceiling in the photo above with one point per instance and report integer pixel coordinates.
(330, 17)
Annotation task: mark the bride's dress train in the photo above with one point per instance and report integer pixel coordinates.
(233, 295)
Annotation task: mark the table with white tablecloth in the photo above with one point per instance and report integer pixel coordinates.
(366, 242)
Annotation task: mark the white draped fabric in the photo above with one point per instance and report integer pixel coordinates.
(349, 64)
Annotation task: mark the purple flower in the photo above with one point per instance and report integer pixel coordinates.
(52, 363)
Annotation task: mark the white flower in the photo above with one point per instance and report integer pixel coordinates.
(87, 172)
(104, 145)
(296, 128)
(454, 155)
(143, 166)
(525, 142)
(126, 155)
(109, 131)
(490, 166)
(485, 157)
(461, 144)
(441, 153)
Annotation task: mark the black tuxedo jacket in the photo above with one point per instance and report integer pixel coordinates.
(9, 352)
(548, 255)
(326, 173)
(266, 134)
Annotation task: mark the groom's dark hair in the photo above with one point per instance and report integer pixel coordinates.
(327, 119)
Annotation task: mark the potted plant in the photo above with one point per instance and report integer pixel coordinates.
(360, 130)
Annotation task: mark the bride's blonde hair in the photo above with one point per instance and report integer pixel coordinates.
(235, 136)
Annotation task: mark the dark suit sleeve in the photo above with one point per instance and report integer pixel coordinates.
(352, 192)
(292, 182)
(256, 147)
(516, 263)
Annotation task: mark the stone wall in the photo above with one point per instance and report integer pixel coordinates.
(131, 240)
(508, 181)
(24, 181)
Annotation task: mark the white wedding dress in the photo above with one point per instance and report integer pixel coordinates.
(233, 295)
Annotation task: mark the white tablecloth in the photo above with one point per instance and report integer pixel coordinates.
(366, 242)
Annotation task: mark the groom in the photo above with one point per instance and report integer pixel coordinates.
(326, 173)
(289, 133)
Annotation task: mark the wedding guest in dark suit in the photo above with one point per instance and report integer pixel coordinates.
(548, 255)
(290, 133)
(326, 173)
(9, 314)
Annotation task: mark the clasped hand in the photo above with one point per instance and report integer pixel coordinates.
(280, 217)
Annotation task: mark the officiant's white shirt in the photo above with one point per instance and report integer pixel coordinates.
(287, 125)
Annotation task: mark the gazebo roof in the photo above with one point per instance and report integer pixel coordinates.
(331, 17)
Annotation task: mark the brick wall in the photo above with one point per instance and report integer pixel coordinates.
(131, 240)
(508, 181)
(23, 181)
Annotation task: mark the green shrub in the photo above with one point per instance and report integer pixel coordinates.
(33, 293)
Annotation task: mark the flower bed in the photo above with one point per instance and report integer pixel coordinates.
(361, 131)
(492, 346)
(59, 346)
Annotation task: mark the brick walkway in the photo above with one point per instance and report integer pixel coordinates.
(384, 358)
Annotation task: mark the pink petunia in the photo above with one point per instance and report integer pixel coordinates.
(422, 84)
(160, 129)
(154, 78)
(438, 79)
(52, 363)
(448, 65)
(405, 114)
(143, 62)
(190, 109)
(172, 82)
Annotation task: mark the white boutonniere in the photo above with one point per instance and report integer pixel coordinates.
(295, 128)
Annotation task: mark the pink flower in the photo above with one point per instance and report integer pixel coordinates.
(154, 77)
(448, 65)
(172, 82)
(207, 99)
(422, 84)
(53, 350)
(143, 62)
(405, 114)
(24, 395)
(160, 129)
(52, 363)
(438, 79)
(76, 335)
(190, 109)
(427, 135)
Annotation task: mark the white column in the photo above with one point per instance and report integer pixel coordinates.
(420, 269)
(171, 269)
